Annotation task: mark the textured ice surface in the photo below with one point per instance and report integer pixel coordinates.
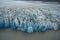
(30, 19)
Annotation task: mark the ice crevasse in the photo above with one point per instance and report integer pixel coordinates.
(30, 19)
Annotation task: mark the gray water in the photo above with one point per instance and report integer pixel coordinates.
(9, 34)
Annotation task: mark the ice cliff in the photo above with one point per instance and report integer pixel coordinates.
(30, 19)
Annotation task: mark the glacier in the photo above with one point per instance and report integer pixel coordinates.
(30, 19)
